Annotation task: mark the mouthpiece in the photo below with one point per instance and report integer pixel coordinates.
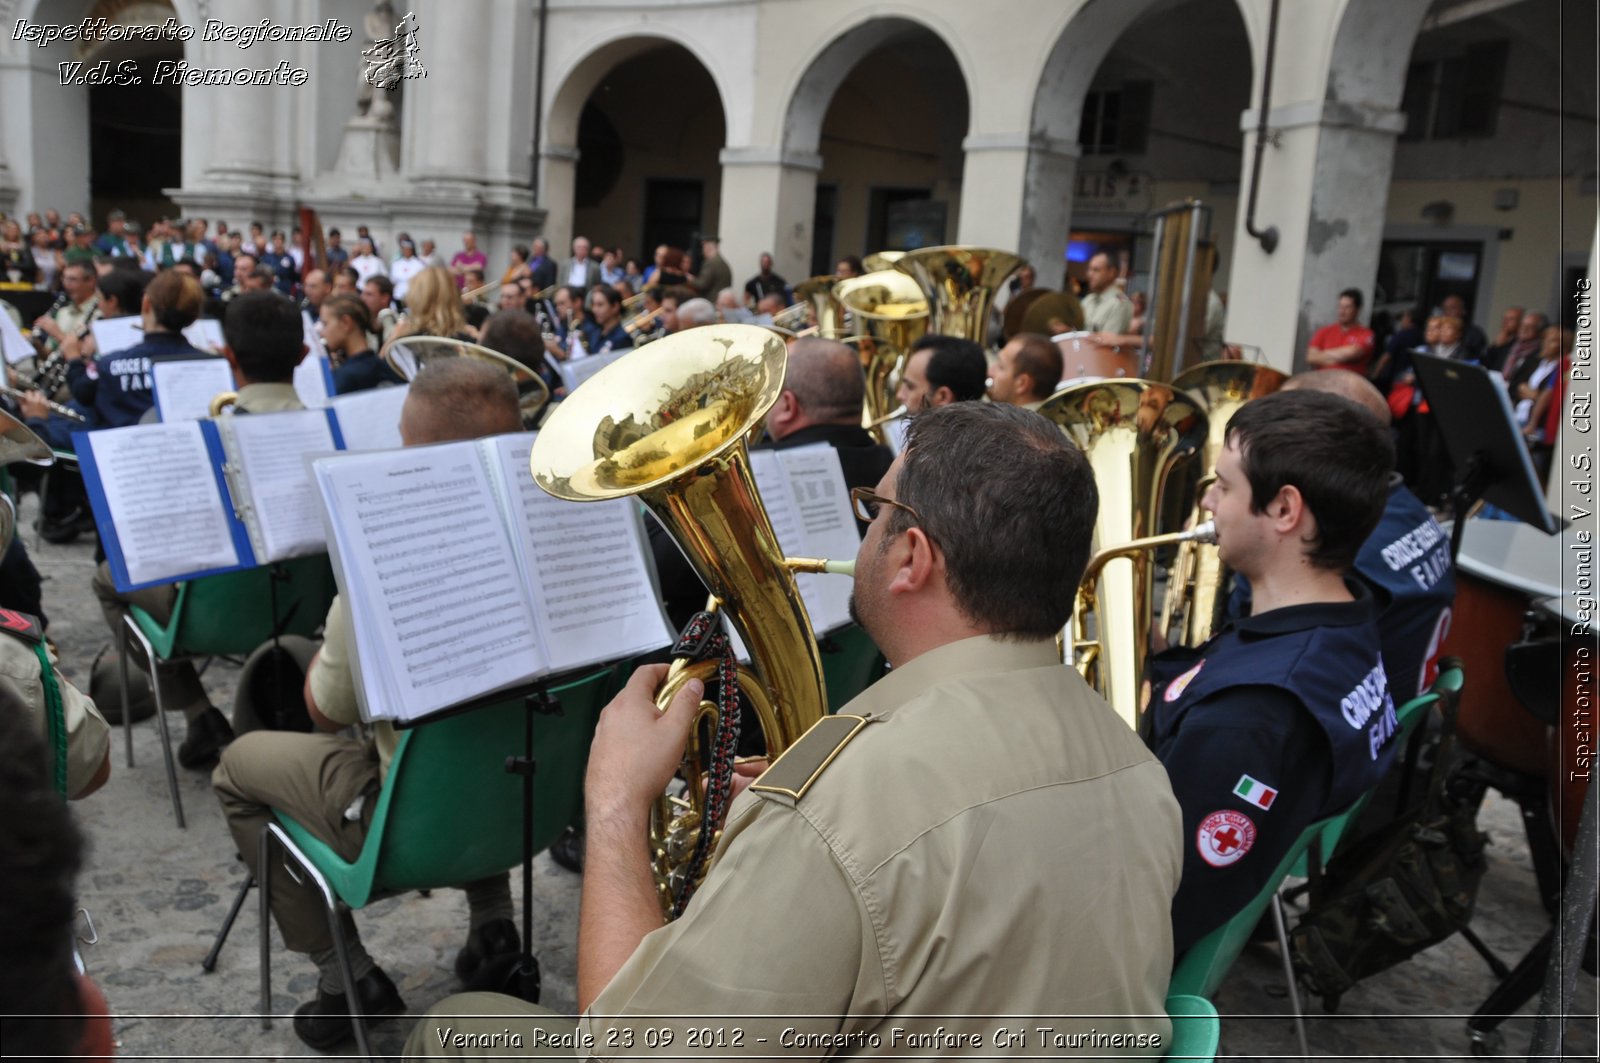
(819, 564)
(1204, 533)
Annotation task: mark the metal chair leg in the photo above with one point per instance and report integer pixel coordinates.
(1288, 974)
(127, 707)
(209, 964)
(150, 658)
(264, 864)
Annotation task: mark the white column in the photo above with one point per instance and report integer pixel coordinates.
(452, 101)
(769, 200)
(1324, 187)
(558, 177)
(1016, 194)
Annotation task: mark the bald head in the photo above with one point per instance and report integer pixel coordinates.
(821, 385)
(459, 398)
(1353, 386)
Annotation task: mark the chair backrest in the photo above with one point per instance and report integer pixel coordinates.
(233, 612)
(1196, 1028)
(450, 813)
(851, 662)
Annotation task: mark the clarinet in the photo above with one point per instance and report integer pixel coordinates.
(52, 373)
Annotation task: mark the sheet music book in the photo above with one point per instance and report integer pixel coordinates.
(119, 333)
(14, 344)
(370, 420)
(184, 387)
(313, 377)
(805, 494)
(463, 578)
(184, 499)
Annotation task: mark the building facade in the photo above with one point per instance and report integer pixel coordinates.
(1411, 149)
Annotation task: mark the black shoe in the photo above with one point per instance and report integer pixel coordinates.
(324, 1023)
(68, 528)
(567, 850)
(486, 947)
(208, 733)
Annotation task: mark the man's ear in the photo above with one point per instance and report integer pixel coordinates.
(913, 562)
(1288, 509)
(941, 396)
(1022, 384)
(233, 361)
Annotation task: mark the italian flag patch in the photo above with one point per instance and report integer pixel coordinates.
(1257, 793)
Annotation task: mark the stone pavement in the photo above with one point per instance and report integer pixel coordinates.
(158, 894)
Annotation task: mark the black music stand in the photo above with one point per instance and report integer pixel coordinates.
(1473, 412)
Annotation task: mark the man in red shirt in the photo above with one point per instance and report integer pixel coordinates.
(1345, 344)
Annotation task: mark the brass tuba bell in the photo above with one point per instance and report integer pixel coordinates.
(672, 426)
(891, 314)
(1134, 433)
(960, 284)
(408, 355)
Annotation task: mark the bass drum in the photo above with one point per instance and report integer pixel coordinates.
(1492, 723)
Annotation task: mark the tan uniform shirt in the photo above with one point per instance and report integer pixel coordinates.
(268, 398)
(333, 683)
(88, 734)
(1107, 311)
(996, 842)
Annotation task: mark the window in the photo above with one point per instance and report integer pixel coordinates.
(1116, 120)
(1457, 96)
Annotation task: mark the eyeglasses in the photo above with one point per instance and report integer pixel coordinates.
(868, 504)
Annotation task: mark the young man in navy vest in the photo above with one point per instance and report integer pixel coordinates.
(1284, 717)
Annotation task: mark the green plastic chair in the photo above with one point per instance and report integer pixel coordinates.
(448, 813)
(851, 662)
(1201, 970)
(1196, 1029)
(229, 614)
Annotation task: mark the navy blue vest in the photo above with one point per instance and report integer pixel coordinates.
(1334, 670)
(1407, 559)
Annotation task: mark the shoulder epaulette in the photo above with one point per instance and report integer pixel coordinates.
(803, 763)
(22, 626)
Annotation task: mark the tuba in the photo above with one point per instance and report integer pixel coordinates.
(1193, 608)
(672, 427)
(959, 284)
(1134, 433)
(409, 355)
(891, 313)
(826, 311)
(222, 402)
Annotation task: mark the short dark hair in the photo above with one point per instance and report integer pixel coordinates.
(1040, 359)
(1012, 505)
(1352, 294)
(855, 263)
(464, 398)
(41, 851)
(515, 334)
(608, 293)
(126, 286)
(957, 364)
(825, 377)
(265, 333)
(385, 285)
(1328, 448)
(175, 299)
(522, 251)
(351, 272)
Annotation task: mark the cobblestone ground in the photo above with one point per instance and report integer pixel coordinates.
(158, 894)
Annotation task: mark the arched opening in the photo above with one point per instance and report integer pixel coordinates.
(135, 124)
(885, 106)
(646, 121)
(1156, 121)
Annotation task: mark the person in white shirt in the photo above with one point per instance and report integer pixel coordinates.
(407, 266)
(366, 263)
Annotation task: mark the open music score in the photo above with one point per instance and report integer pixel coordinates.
(804, 491)
(462, 578)
(184, 387)
(370, 420)
(179, 500)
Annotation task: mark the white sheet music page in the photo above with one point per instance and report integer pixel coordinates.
(272, 448)
(113, 334)
(592, 591)
(821, 502)
(439, 609)
(772, 480)
(164, 500)
(185, 387)
(370, 420)
(206, 334)
(13, 342)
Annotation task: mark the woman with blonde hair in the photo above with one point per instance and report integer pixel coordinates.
(433, 307)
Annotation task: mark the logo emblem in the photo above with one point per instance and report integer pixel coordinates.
(1256, 792)
(1176, 688)
(1224, 837)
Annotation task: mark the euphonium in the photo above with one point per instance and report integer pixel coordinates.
(18, 442)
(222, 402)
(672, 427)
(409, 355)
(960, 285)
(1134, 432)
(1194, 605)
(881, 260)
(825, 309)
(892, 315)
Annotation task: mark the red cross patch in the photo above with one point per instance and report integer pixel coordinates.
(1223, 837)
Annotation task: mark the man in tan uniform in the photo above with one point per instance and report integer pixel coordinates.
(263, 334)
(1106, 308)
(329, 782)
(84, 764)
(976, 836)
